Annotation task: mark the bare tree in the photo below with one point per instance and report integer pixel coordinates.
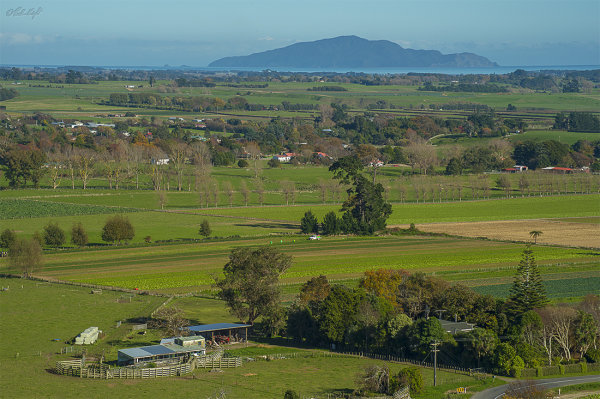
(228, 189)
(85, 161)
(421, 155)
(25, 256)
(214, 191)
(289, 191)
(259, 189)
(161, 196)
(558, 321)
(253, 151)
(245, 192)
(178, 153)
(56, 165)
(323, 187)
(170, 320)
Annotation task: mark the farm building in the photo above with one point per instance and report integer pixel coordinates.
(557, 169)
(454, 327)
(167, 350)
(221, 332)
(515, 169)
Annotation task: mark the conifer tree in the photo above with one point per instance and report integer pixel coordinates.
(527, 292)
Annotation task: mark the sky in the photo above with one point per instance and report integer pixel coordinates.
(195, 33)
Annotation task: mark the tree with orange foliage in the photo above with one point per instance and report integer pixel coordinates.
(384, 283)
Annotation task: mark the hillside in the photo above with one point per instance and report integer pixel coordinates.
(352, 51)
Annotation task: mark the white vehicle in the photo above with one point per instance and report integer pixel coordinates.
(314, 237)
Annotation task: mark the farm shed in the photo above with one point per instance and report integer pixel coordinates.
(221, 330)
(175, 349)
(454, 327)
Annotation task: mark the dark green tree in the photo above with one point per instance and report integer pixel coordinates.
(53, 235)
(423, 332)
(337, 313)
(23, 165)
(7, 237)
(205, 229)
(117, 228)
(331, 224)
(365, 210)
(249, 284)
(309, 223)
(79, 236)
(527, 292)
(273, 163)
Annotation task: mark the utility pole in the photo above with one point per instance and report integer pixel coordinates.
(435, 350)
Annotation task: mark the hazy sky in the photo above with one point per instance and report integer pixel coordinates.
(194, 33)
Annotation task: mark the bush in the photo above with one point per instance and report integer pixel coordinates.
(562, 369)
(53, 235)
(273, 163)
(117, 228)
(7, 237)
(412, 377)
(242, 163)
(78, 235)
(593, 355)
(291, 394)
(517, 366)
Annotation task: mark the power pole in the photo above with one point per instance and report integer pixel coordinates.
(435, 350)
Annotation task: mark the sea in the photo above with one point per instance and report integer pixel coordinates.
(498, 70)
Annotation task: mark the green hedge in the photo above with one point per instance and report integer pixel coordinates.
(560, 369)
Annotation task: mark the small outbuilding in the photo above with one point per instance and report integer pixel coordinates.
(174, 349)
(222, 332)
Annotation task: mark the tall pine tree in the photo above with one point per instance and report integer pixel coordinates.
(527, 291)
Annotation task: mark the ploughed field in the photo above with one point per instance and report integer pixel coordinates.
(192, 267)
(573, 232)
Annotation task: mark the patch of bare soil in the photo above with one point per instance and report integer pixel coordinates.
(556, 232)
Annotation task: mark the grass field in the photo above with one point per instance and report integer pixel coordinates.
(59, 311)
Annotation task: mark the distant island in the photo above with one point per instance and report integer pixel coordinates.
(352, 52)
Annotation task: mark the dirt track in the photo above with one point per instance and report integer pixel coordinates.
(558, 232)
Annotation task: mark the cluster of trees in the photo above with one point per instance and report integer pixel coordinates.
(390, 312)
(577, 122)
(116, 229)
(7, 94)
(465, 87)
(365, 209)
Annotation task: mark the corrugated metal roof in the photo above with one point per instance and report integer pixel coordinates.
(216, 327)
(146, 351)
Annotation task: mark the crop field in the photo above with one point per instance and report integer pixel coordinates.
(55, 313)
(569, 232)
(22, 208)
(193, 267)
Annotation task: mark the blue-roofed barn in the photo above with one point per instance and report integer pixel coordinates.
(221, 332)
(166, 351)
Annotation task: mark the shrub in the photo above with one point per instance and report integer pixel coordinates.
(205, 229)
(412, 377)
(78, 235)
(593, 355)
(53, 235)
(291, 394)
(117, 228)
(242, 163)
(7, 237)
(562, 369)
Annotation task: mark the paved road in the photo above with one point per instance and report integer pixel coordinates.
(498, 392)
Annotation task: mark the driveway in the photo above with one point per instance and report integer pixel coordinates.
(498, 392)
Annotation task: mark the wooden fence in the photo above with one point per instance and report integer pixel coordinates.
(79, 368)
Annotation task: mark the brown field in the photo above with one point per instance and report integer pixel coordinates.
(566, 232)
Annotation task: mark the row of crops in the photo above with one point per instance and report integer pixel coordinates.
(28, 208)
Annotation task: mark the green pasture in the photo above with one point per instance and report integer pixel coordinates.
(483, 210)
(77, 100)
(37, 313)
(558, 135)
